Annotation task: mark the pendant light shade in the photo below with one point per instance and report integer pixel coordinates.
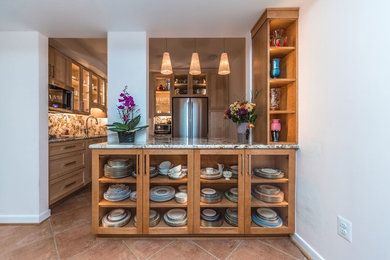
(166, 65)
(224, 68)
(195, 64)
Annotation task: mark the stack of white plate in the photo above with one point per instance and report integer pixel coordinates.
(210, 196)
(154, 218)
(162, 193)
(234, 170)
(181, 197)
(269, 173)
(231, 216)
(176, 217)
(177, 172)
(117, 192)
(268, 193)
(164, 167)
(133, 196)
(266, 217)
(118, 168)
(210, 218)
(210, 174)
(116, 218)
(232, 194)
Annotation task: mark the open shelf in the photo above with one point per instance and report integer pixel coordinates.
(219, 181)
(167, 204)
(129, 179)
(129, 228)
(260, 204)
(127, 203)
(281, 81)
(225, 203)
(277, 52)
(275, 112)
(256, 179)
(166, 180)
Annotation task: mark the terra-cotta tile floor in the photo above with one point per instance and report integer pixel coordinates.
(67, 235)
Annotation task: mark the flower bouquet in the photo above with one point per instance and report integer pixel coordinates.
(130, 118)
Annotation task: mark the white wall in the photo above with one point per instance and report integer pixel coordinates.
(23, 132)
(127, 56)
(344, 126)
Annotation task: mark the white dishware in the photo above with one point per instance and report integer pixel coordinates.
(227, 174)
(119, 162)
(266, 213)
(220, 167)
(182, 188)
(175, 169)
(165, 165)
(234, 191)
(209, 212)
(177, 214)
(116, 214)
(208, 191)
(209, 170)
(181, 197)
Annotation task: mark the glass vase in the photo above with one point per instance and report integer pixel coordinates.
(242, 133)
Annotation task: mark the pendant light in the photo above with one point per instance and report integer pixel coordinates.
(166, 65)
(195, 64)
(224, 68)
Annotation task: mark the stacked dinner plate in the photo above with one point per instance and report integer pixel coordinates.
(162, 193)
(117, 192)
(210, 174)
(210, 218)
(231, 216)
(210, 196)
(234, 170)
(232, 194)
(176, 217)
(266, 217)
(116, 218)
(268, 193)
(269, 173)
(118, 168)
(154, 218)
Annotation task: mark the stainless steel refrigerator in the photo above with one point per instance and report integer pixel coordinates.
(190, 117)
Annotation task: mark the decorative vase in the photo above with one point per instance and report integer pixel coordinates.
(275, 70)
(275, 99)
(276, 127)
(278, 38)
(241, 133)
(126, 137)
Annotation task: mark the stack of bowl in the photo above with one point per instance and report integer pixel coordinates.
(231, 216)
(162, 193)
(268, 193)
(210, 196)
(118, 168)
(269, 173)
(210, 173)
(182, 188)
(176, 217)
(232, 194)
(177, 172)
(181, 197)
(234, 170)
(153, 171)
(117, 192)
(210, 218)
(266, 217)
(154, 218)
(164, 167)
(116, 218)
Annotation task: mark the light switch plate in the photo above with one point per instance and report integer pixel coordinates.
(344, 228)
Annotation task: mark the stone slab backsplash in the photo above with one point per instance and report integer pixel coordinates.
(61, 125)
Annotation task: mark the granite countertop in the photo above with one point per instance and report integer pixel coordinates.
(184, 143)
(65, 139)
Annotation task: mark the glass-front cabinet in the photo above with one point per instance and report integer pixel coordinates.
(102, 91)
(199, 84)
(94, 89)
(76, 82)
(86, 88)
(180, 84)
(162, 88)
(219, 192)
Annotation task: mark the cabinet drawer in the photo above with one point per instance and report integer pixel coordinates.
(62, 187)
(65, 163)
(66, 147)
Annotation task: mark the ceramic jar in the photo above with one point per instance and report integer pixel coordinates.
(275, 70)
(275, 99)
(275, 130)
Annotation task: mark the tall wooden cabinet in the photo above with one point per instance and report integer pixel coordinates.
(59, 70)
(287, 85)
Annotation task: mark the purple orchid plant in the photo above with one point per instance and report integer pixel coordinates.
(128, 113)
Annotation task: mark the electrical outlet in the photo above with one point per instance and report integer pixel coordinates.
(344, 228)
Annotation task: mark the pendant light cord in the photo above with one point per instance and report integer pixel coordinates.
(195, 45)
(166, 45)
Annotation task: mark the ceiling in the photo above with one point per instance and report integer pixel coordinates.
(168, 18)
(180, 50)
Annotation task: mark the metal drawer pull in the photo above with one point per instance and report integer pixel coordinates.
(249, 164)
(242, 165)
(145, 165)
(70, 146)
(69, 163)
(70, 184)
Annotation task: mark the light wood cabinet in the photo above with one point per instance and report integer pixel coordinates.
(59, 68)
(195, 159)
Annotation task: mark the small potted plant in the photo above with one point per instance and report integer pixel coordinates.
(130, 119)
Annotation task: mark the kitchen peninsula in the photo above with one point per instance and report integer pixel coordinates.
(258, 199)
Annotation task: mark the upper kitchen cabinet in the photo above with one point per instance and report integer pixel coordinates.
(181, 86)
(86, 89)
(59, 69)
(162, 86)
(199, 84)
(274, 53)
(102, 91)
(94, 89)
(76, 84)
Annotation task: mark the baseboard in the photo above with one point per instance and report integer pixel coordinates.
(311, 252)
(24, 219)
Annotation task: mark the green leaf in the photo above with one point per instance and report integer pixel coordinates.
(116, 129)
(141, 127)
(134, 122)
(120, 125)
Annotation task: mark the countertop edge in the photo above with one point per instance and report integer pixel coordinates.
(192, 146)
(59, 140)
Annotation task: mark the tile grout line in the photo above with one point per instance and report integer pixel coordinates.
(277, 249)
(54, 239)
(207, 251)
(160, 250)
(127, 246)
(235, 249)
